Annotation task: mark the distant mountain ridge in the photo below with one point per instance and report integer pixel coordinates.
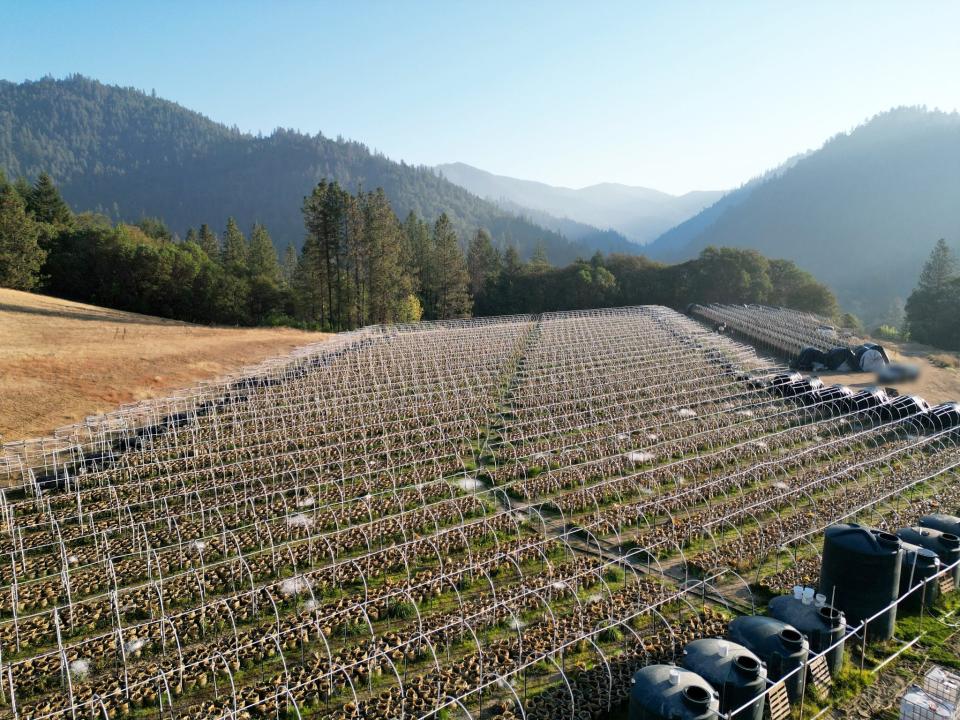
(861, 213)
(129, 154)
(639, 214)
(674, 245)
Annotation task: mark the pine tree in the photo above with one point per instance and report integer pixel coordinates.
(191, 236)
(264, 275)
(313, 290)
(539, 262)
(483, 265)
(931, 311)
(449, 278)
(507, 298)
(386, 280)
(290, 260)
(45, 204)
(209, 242)
(940, 268)
(234, 255)
(235, 292)
(21, 256)
(417, 251)
(262, 255)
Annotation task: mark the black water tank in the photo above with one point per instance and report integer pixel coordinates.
(835, 397)
(781, 646)
(945, 545)
(733, 670)
(919, 564)
(944, 416)
(804, 390)
(860, 575)
(779, 383)
(943, 523)
(667, 692)
(867, 399)
(823, 626)
(905, 406)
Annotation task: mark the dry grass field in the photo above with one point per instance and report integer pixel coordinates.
(61, 361)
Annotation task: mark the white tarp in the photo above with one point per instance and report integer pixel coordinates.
(872, 361)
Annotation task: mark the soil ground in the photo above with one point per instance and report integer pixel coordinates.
(61, 361)
(935, 384)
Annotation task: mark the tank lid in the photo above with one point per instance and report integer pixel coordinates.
(830, 615)
(791, 637)
(747, 665)
(696, 696)
(886, 539)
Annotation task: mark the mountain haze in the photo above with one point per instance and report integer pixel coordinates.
(639, 214)
(129, 155)
(862, 213)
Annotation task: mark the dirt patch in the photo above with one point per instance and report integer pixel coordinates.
(62, 361)
(937, 383)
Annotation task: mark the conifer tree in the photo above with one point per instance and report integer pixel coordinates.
(209, 242)
(417, 251)
(264, 274)
(191, 236)
(262, 255)
(508, 295)
(449, 278)
(483, 265)
(290, 260)
(45, 203)
(234, 255)
(21, 256)
(312, 283)
(539, 262)
(939, 269)
(931, 310)
(387, 283)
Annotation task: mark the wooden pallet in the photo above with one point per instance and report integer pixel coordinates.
(820, 674)
(946, 584)
(778, 702)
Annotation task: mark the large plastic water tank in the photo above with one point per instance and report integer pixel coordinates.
(781, 646)
(943, 523)
(919, 564)
(860, 575)
(804, 390)
(944, 416)
(834, 398)
(871, 398)
(733, 670)
(945, 545)
(780, 382)
(667, 692)
(906, 406)
(822, 624)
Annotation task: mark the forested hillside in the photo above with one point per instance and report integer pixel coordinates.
(862, 213)
(129, 155)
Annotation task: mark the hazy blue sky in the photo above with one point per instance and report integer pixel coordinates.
(676, 96)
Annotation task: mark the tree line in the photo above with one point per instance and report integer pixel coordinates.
(359, 265)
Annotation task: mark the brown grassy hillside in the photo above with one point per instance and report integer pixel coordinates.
(61, 361)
